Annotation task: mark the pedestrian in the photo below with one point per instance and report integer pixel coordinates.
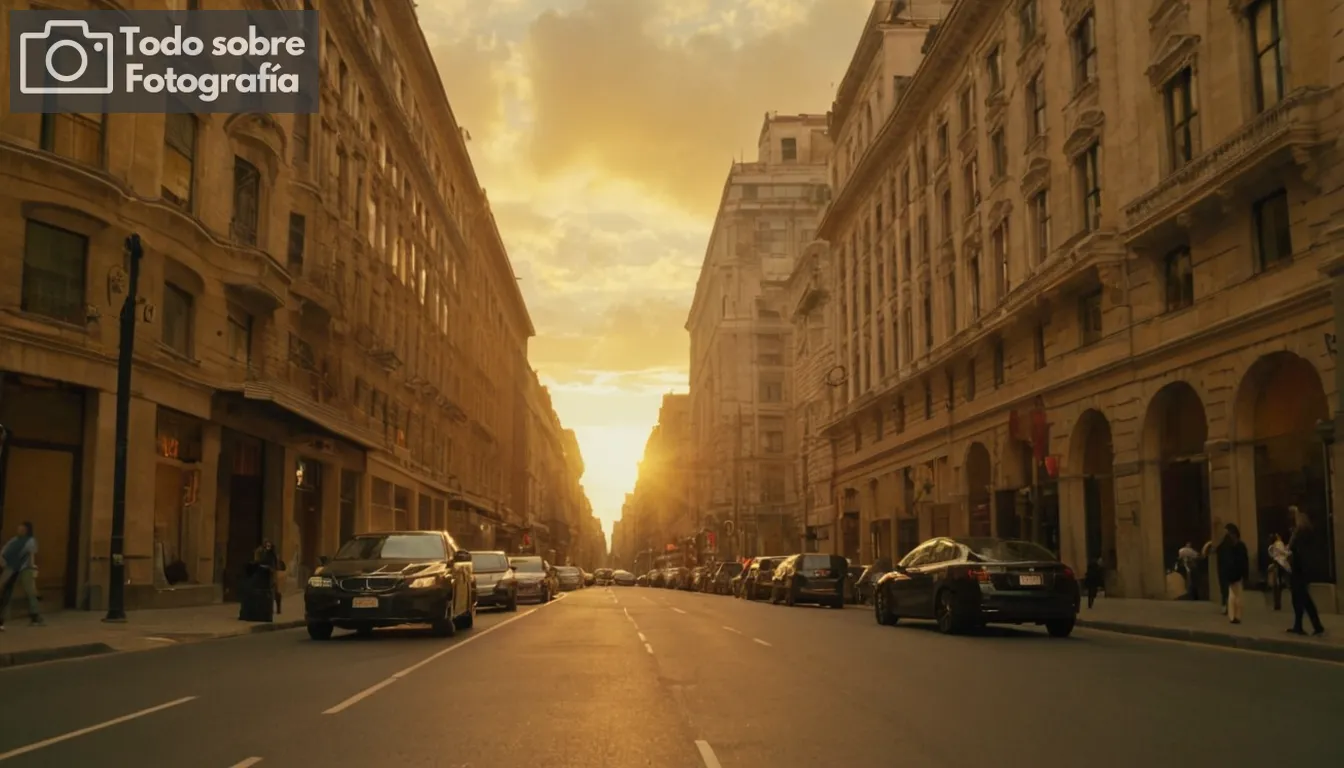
(1095, 579)
(19, 567)
(269, 560)
(1220, 553)
(1279, 569)
(1234, 565)
(1187, 560)
(1299, 580)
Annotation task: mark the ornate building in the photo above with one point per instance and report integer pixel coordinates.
(331, 338)
(659, 511)
(744, 448)
(1099, 276)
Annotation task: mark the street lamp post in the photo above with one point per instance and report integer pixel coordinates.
(116, 588)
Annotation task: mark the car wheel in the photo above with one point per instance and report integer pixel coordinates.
(1059, 627)
(882, 609)
(320, 630)
(546, 595)
(945, 611)
(446, 627)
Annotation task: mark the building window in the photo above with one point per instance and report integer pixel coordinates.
(772, 391)
(1273, 234)
(177, 319)
(944, 141)
(900, 414)
(999, 364)
(950, 379)
(905, 187)
(772, 485)
(1002, 273)
(788, 150)
(973, 275)
(928, 400)
(1085, 51)
(945, 208)
(972, 182)
(1089, 177)
(774, 441)
(1040, 224)
(951, 303)
(179, 159)
(994, 69)
(970, 380)
(895, 344)
(302, 129)
(928, 317)
(908, 335)
(78, 136)
(240, 337)
(998, 144)
(1027, 21)
(1180, 279)
(878, 425)
(1089, 317)
(905, 253)
(55, 268)
(1266, 44)
(1038, 345)
(246, 202)
(922, 163)
(770, 350)
(923, 237)
(967, 109)
(1036, 116)
(298, 228)
(1182, 118)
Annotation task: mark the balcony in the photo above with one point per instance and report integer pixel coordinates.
(310, 394)
(252, 273)
(1285, 134)
(319, 286)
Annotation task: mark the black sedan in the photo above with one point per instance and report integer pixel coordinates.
(813, 578)
(965, 583)
(496, 586)
(390, 579)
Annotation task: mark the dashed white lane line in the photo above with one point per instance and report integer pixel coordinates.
(730, 629)
(678, 610)
(707, 754)
(760, 641)
(647, 600)
(92, 728)
(476, 635)
(248, 763)
(648, 648)
(642, 638)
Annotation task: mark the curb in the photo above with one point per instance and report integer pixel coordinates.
(64, 652)
(1295, 648)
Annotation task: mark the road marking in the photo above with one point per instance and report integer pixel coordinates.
(730, 629)
(367, 692)
(627, 612)
(678, 610)
(161, 639)
(648, 648)
(92, 728)
(647, 600)
(707, 754)
(642, 638)
(248, 763)
(759, 640)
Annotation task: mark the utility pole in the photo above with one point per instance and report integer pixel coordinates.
(116, 587)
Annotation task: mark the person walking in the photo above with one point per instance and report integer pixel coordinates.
(1095, 579)
(1279, 569)
(1299, 580)
(1217, 554)
(19, 561)
(1234, 566)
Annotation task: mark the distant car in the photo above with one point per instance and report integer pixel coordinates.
(721, 583)
(589, 579)
(642, 581)
(756, 582)
(677, 578)
(571, 578)
(496, 586)
(536, 579)
(623, 579)
(657, 578)
(863, 588)
(390, 579)
(810, 578)
(964, 583)
(602, 577)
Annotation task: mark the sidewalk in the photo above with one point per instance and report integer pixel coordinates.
(1262, 628)
(72, 634)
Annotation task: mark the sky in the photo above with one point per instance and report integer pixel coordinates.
(602, 131)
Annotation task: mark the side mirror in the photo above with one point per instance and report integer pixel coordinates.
(461, 556)
(323, 560)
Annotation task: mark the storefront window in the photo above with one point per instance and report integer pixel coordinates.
(178, 436)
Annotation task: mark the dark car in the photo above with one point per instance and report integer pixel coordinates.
(571, 578)
(642, 581)
(756, 582)
(721, 583)
(602, 577)
(589, 579)
(496, 586)
(658, 578)
(536, 579)
(965, 583)
(390, 579)
(813, 578)
(863, 588)
(678, 578)
(852, 575)
(623, 579)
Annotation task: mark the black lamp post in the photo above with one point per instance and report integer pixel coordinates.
(116, 588)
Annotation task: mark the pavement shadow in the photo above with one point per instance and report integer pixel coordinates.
(997, 631)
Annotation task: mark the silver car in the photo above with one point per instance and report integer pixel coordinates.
(571, 578)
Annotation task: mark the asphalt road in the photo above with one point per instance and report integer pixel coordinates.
(635, 678)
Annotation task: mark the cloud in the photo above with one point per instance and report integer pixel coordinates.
(610, 89)
(472, 72)
(643, 340)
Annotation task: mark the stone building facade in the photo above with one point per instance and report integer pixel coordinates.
(330, 337)
(659, 511)
(558, 520)
(741, 348)
(1095, 232)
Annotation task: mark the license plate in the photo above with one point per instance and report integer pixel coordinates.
(1029, 581)
(364, 602)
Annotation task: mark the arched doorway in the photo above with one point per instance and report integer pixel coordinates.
(1175, 431)
(1280, 401)
(1095, 457)
(978, 479)
(1012, 501)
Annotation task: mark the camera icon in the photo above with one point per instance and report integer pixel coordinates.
(75, 61)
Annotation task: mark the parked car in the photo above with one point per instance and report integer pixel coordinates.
(390, 579)
(756, 583)
(623, 579)
(697, 578)
(658, 578)
(964, 583)
(812, 578)
(721, 583)
(602, 576)
(537, 580)
(571, 578)
(589, 579)
(863, 588)
(676, 577)
(735, 582)
(642, 581)
(496, 586)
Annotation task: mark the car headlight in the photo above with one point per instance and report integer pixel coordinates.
(424, 582)
(319, 582)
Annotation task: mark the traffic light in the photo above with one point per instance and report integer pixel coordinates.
(713, 540)
(527, 539)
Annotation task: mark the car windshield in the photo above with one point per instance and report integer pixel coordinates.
(815, 563)
(395, 546)
(489, 561)
(528, 565)
(1007, 550)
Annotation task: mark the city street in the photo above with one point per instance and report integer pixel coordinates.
(642, 677)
